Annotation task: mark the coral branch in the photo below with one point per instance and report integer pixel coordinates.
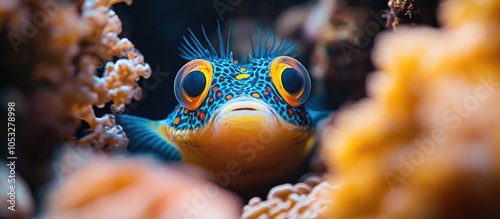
(50, 59)
(302, 200)
(62, 83)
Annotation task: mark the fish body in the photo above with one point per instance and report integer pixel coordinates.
(245, 124)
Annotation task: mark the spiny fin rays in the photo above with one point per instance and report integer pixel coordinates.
(192, 48)
(284, 47)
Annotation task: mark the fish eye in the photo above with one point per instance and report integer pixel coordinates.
(291, 80)
(192, 83)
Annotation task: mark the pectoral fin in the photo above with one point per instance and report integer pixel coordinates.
(317, 109)
(148, 137)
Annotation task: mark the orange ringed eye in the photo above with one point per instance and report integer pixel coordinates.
(192, 83)
(291, 80)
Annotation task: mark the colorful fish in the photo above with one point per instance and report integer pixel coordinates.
(246, 124)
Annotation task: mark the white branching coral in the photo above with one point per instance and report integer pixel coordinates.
(303, 200)
(119, 81)
(54, 52)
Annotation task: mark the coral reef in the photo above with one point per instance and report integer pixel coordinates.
(132, 188)
(302, 200)
(51, 53)
(425, 144)
(69, 47)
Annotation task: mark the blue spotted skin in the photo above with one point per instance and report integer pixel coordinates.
(225, 86)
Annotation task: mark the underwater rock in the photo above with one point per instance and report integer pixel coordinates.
(343, 32)
(425, 144)
(133, 188)
(411, 12)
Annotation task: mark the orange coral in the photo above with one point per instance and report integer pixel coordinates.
(52, 51)
(425, 145)
(128, 188)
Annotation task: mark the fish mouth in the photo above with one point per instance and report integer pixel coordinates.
(242, 106)
(245, 113)
(242, 117)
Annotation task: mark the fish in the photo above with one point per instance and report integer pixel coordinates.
(244, 123)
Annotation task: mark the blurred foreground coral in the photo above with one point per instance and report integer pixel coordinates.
(425, 144)
(107, 187)
(52, 52)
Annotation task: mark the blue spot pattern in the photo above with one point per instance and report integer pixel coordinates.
(225, 86)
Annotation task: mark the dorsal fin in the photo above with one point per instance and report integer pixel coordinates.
(284, 48)
(192, 48)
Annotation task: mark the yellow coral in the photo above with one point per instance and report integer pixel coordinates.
(425, 144)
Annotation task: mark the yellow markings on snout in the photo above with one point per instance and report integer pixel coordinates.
(242, 76)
